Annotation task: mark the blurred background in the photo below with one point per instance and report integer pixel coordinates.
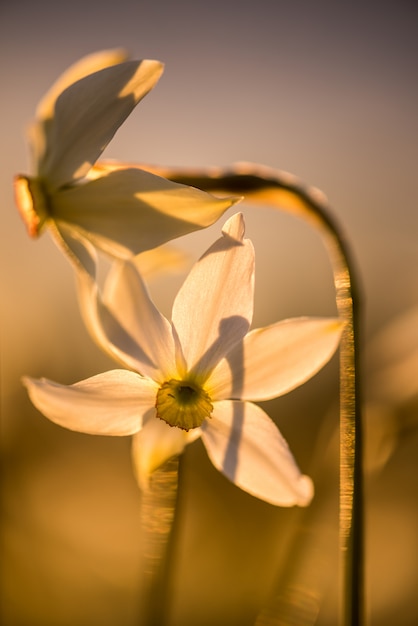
(327, 91)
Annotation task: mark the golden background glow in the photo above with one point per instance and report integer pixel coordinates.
(326, 91)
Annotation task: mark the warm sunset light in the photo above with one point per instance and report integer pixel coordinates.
(210, 319)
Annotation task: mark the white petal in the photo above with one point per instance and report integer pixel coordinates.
(126, 298)
(213, 309)
(102, 325)
(105, 328)
(112, 403)
(41, 129)
(234, 227)
(123, 322)
(88, 113)
(125, 211)
(155, 444)
(274, 360)
(79, 251)
(83, 67)
(245, 445)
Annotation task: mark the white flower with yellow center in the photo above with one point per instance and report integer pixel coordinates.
(198, 375)
(120, 210)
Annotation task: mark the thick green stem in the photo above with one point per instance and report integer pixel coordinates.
(265, 186)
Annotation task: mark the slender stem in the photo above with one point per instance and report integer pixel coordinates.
(157, 516)
(261, 185)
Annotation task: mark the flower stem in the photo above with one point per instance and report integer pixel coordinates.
(262, 185)
(157, 516)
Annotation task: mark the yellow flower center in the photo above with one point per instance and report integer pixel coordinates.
(31, 202)
(182, 403)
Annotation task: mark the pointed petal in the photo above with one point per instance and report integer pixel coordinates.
(116, 320)
(40, 129)
(112, 403)
(123, 321)
(127, 299)
(78, 250)
(155, 444)
(86, 116)
(125, 211)
(83, 67)
(274, 360)
(105, 329)
(213, 309)
(245, 445)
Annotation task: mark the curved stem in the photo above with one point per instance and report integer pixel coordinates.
(262, 185)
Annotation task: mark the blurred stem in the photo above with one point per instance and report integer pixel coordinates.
(157, 519)
(262, 185)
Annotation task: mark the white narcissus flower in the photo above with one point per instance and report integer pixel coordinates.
(119, 210)
(199, 374)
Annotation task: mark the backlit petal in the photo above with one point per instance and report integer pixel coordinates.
(76, 247)
(213, 309)
(123, 321)
(127, 211)
(112, 403)
(87, 65)
(127, 298)
(245, 445)
(86, 116)
(155, 444)
(274, 360)
(105, 328)
(100, 322)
